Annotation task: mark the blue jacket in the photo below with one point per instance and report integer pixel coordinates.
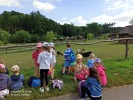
(17, 82)
(90, 63)
(68, 53)
(94, 87)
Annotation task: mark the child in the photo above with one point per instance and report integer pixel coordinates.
(80, 71)
(44, 60)
(17, 79)
(52, 64)
(68, 52)
(92, 86)
(2, 62)
(35, 58)
(101, 71)
(5, 82)
(90, 62)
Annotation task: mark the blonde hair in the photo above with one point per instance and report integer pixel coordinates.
(46, 48)
(92, 55)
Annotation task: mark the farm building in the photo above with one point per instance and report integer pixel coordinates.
(126, 32)
(112, 36)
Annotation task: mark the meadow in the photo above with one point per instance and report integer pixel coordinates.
(118, 69)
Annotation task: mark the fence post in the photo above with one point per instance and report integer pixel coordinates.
(127, 48)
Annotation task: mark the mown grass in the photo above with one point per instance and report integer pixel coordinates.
(119, 70)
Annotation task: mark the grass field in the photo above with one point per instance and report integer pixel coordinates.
(119, 70)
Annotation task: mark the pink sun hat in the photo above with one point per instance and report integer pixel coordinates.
(2, 66)
(39, 45)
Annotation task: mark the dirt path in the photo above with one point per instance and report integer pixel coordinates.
(116, 93)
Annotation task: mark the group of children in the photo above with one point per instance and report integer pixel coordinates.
(45, 59)
(93, 73)
(13, 83)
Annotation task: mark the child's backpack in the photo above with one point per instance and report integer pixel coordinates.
(57, 84)
(33, 81)
(81, 83)
(72, 58)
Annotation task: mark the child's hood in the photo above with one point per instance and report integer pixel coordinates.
(101, 66)
(15, 77)
(46, 54)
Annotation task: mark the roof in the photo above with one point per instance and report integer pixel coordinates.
(127, 30)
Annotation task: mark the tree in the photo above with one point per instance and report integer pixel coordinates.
(131, 22)
(21, 37)
(90, 36)
(35, 38)
(4, 36)
(49, 36)
(94, 28)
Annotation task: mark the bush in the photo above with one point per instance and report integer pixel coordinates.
(1, 43)
(50, 36)
(21, 37)
(4, 36)
(35, 38)
(90, 36)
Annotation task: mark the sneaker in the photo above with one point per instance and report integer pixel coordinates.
(47, 88)
(41, 90)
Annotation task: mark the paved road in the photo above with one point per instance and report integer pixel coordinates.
(116, 93)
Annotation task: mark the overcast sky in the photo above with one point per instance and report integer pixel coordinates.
(78, 12)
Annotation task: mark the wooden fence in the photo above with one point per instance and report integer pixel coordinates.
(6, 49)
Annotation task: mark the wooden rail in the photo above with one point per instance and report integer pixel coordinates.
(33, 45)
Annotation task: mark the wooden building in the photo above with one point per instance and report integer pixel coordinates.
(126, 32)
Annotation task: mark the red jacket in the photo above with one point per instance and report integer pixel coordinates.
(35, 54)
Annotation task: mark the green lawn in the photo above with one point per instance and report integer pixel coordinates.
(119, 70)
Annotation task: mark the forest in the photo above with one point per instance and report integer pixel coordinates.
(33, 27)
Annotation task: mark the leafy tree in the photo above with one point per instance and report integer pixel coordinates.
(21, 37)
(49, 36)
(35, 38)
(4, 36)
(90, 36)
(131, 22)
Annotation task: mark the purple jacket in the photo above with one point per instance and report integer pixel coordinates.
(5, 81)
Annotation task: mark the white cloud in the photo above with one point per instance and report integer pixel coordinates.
(64, 18)
(55, 0)
(46, 6)
(78, 21)
(9, 3)
(119, 5)
(121, 19)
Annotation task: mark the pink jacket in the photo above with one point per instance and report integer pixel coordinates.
(102, 75)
